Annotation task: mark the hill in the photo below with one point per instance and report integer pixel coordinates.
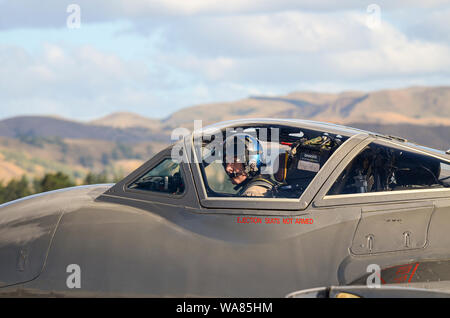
(127, 120)
(29, 127)
(414, 105)
(74, 157)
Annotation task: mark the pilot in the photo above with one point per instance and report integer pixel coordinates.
(242, 162)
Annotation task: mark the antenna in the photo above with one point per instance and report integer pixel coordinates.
(398, 138)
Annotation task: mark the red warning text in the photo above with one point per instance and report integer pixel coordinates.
(271, 220)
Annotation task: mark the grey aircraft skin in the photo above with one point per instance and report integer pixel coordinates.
(134, 243)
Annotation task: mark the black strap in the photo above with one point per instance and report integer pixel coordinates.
(263, 183)
(258, 181)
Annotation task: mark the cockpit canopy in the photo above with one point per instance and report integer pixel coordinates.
(292, 156)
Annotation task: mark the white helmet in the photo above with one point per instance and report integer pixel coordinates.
(243, 148)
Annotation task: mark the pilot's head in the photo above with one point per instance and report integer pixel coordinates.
(241, 157)
(236, 171)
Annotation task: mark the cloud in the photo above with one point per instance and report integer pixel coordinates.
(85, 83)
(267, 34)
(72, 79)
(52, 13)
(56, 66)
(433, 26)
(392, 53)
(294, 47)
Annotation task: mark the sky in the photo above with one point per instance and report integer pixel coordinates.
(88, 58)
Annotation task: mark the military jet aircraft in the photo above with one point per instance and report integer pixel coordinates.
(342, 202)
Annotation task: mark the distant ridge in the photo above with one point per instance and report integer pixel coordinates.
(41, 126)
(413, 105)
(431, 136)
(126, 120)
